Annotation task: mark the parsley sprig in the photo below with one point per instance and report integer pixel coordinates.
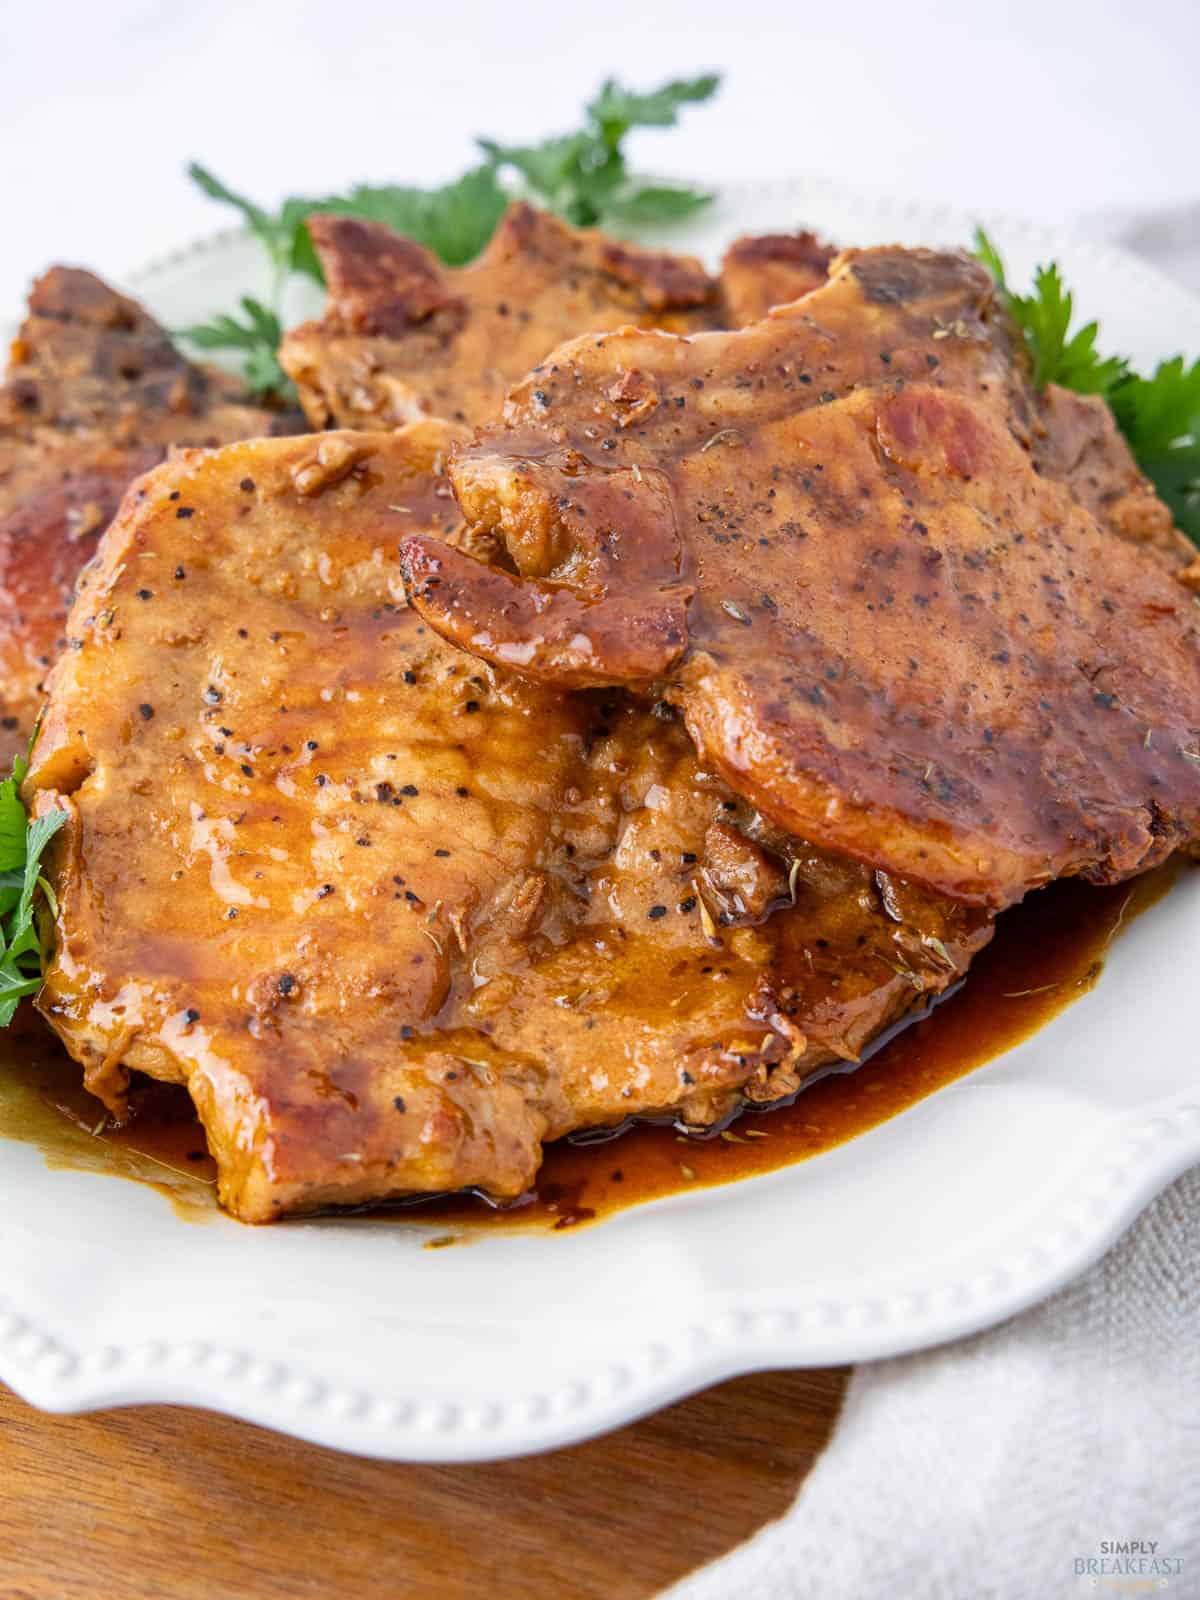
(257, 337)
(22, 891)
(584, 176)
(1159, 415)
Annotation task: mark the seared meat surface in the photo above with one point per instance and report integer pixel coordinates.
(1077, 441)
(95, 395)
(396, 917)
(404, 337)
(770, 269)
(826, 538)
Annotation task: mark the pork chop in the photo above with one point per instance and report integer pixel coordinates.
(395, 917)
(404, 337)
(96, 394)
(826, 538)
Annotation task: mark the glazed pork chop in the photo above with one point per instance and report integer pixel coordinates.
(404, 337)
(393, 916)
(95, 394)
(826, 538)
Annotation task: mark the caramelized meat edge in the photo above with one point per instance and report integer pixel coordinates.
(95, 394)
(404, 337)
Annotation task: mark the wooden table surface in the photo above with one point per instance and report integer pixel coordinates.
(174, 1504)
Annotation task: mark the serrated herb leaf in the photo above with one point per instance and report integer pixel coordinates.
(1159, 415)
(256, 339)
(615, 110)
(583, 176)
(658, 202)
(986, 252)
(12, 826)
(455, 221)
(1156, 413)
(270, 228)
(22, 958)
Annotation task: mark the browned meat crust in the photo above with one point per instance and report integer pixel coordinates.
(826, 538)
(404, 337)
(1077, 441)
(771, 269)
(95, 394)
(393, 916)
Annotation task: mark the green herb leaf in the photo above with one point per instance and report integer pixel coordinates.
(455, 221)
(1156, 413)
(1159, 415)
(23, 843)
(1176, 476)
(12, 825)
(1060, 355)
(657, 202)
(615, 110)
(273, 229)
(256, 338)
(583, 176)
(986, 252)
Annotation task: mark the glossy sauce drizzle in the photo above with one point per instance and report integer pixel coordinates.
(1045, 954)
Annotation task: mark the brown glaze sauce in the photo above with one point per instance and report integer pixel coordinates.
(1046, 953)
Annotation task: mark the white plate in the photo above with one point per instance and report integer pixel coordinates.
(978, 1201)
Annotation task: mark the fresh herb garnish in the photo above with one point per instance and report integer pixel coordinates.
(257, 338)
(1159, 415)
(22, 843)
(583, 176)
(455, 221)
(277, 231)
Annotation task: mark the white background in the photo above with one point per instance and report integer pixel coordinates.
(1053, 110)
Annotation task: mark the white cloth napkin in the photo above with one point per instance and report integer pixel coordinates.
(992, 1468)
(999, 1467)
